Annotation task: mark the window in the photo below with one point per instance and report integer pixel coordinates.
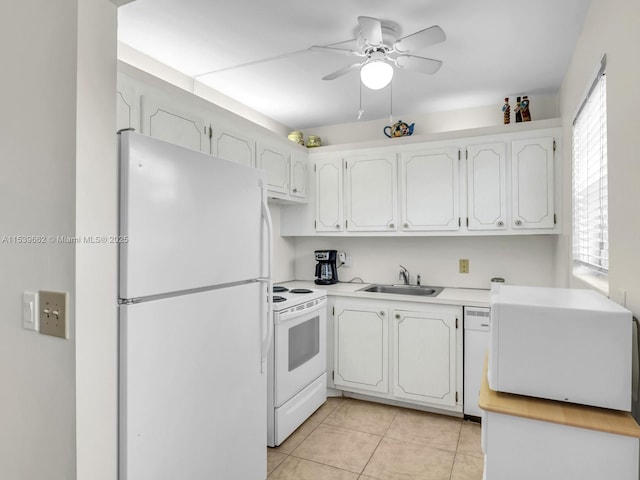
(590, 213)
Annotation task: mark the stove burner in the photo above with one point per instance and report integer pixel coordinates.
(279, 288)
(277, 298)
(300, 290)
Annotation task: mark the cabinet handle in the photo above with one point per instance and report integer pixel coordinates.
(392, 225)
(398, 316)
(518, 223)
(337, 225)
(295, 190)
(500, 223)
(382, 314)
(406, 225)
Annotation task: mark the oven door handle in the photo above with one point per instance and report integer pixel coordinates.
(267, 324)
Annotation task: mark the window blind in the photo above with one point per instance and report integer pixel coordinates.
(590, 198)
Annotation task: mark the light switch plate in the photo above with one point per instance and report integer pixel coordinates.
(30, 314)
(53, 313)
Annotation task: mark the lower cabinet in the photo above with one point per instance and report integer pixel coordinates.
(403, 351)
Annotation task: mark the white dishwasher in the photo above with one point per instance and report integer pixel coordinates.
(476, 342)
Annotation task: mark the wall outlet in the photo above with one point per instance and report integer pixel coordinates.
(342, 257)
(53, 313)
(464, 265)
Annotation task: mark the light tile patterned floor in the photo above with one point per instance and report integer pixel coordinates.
(350, 439)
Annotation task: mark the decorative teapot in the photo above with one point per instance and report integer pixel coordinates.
(398, 129)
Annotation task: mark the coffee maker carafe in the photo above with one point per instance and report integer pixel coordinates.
(326, 269)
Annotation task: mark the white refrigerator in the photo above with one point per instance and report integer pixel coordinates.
(194, 314)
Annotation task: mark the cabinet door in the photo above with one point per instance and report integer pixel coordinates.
(425, 357)
(430, 190)
(275, 161)
(127, 107)
(298, 175)
(233, 146)
(361, 348)
(329, 196)
(486, 187)
(174, 125)
(371, 193)
(532, 183)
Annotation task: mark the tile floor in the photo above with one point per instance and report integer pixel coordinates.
(349, 439)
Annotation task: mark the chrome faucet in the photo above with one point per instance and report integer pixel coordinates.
(404, 275)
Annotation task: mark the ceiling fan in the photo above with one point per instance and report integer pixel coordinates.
(380, 50)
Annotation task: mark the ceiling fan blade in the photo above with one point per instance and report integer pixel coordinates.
(423, 38)
(371, 29)
(418, 64)
(342, 71)
(343, 51)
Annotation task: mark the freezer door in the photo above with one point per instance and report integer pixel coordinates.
(187, 219)
(192, 398)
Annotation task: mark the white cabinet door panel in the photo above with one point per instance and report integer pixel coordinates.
(532, 183)
(275, 161)
(329, 195)
(430, 190)
(298, 175)
(425, 357)
(486, 187)
(174, 125)
(371, 193)
(361, 348)
(233, 146)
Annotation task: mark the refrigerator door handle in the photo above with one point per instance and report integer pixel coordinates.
(267, 325)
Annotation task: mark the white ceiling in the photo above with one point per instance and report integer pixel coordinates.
(494, 48)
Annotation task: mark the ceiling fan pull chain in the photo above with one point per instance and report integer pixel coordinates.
(360, 110)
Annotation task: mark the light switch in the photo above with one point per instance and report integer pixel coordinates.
(53, 313)
(30, 315)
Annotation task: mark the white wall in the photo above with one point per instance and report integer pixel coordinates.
(522, 260)
(284, 252)
(542, 107)
(611, 28)
(57, 154)
(37, 194)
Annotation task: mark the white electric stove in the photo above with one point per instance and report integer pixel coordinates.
(297, 361)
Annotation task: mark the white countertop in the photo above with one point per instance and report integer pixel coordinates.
(472, 297)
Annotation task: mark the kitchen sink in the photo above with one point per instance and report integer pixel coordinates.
(417, 290)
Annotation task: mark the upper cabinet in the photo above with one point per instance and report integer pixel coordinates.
(429, 190)
(168, 113)
(233, 146)
(499, 184)
(486, 186)
(173, 124)
(329, 212)
(532, 183)
(370, 193)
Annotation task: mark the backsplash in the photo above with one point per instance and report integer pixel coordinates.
(521, 260)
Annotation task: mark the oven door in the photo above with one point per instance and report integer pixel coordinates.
(300, 344)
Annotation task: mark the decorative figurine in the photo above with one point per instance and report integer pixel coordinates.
(518, 111)
(506, 111)
(398, 129)
(526, 113)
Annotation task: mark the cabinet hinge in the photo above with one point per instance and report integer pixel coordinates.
(333, 311)
(554, 145)
(314, 168)
(466, 154)
(459, 155)
(333, 374)
(555, 219)
(456, 322)
(315, 224)
(459, 222)
(467, 221)
(210, 132)
(456, 397)
(346, 165)
(346, 224)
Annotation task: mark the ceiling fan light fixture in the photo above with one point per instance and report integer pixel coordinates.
(376, 74)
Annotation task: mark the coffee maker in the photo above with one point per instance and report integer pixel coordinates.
(326, 269)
